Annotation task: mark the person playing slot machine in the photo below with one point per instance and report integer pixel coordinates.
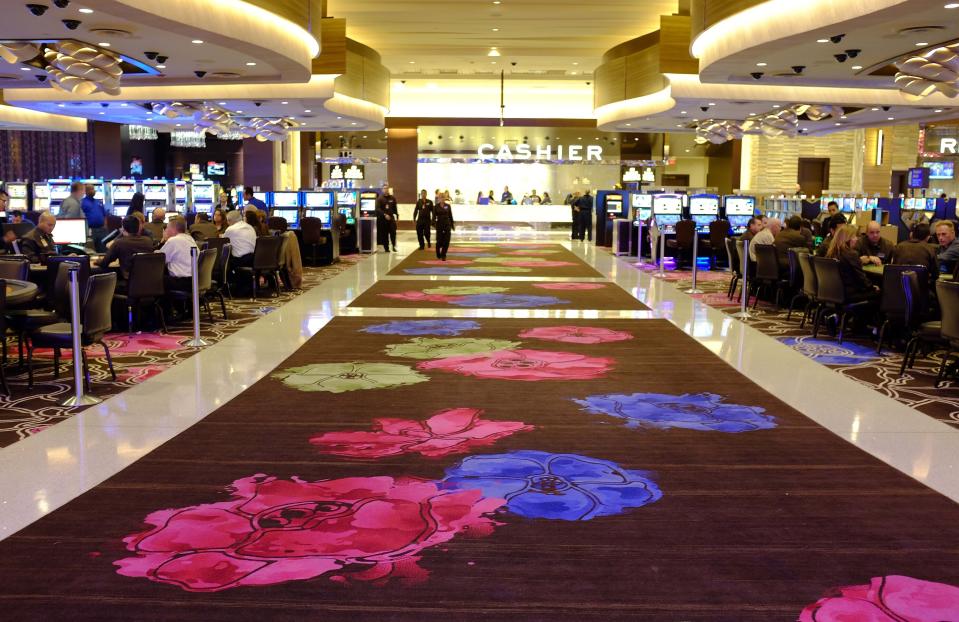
(443, 220)
(872, 247)
(38, 243)
(386, 214)
(423, 216)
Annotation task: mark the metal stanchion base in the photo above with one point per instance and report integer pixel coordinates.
(84, 400)
(694, 290)
(196, 343)
(741, 315)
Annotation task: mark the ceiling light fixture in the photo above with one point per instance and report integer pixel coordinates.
(760, 64)
(251, 64)
(940, 109)
(88, 11)
(922, 44)
(307, 111)
(24, 69)
(161, 66)
(197, 41)
(493, 52)
(892, 118)
(61, 105)
(952, 5)
(496, 30)
(776, 106)
(822, 40)
(104, 44)
(856, 67)
(874, 109)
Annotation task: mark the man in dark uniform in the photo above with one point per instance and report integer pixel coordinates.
(386, 214)
(916, 251)
(571, 200)
(38, 244)
(585, 204)
(443, 220)
(872, 247)
(423, 216)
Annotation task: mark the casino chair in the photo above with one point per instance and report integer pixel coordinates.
(145, 285)
(767, 273)
(893, 305)
(921, 336)
(810, 289)
(718, 234)
(24, 321)
(948, 295)
(3, 336)
(96, 322)
(735, 266)
(277, 224)
(221, 272)
(56, 260)
(114, 223)
(311, 230)
(682, 242)
(831, 292)
(15, 267)
(206, 263)
(266, 262)
(796, 277)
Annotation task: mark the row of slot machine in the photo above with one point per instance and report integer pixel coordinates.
(176, 196)
(668, 209)
(293, 206)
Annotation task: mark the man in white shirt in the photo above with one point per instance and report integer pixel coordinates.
(179, 264)
(242, 238)
(766, 236)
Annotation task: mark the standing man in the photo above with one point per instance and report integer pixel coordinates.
(249, 199)
(443, 219)
(586, 216)
(423, 216)
(71, 207)
(96, 216)
(386, 214)
(573, 200)
(948, 253)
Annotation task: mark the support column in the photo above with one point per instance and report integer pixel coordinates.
(402, 149)
(308, 159)
(107, 150)
(257, 164)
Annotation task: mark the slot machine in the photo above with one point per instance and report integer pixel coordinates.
(929, 208)
(738, 210)
(346, 203)
(612, 206)
(286, 205)
(19, 193)
(848, 205)
(237, 194)
(41, 196)
(368, 204)
(122, 191)
(667, 211)
(156, 193)
(319, 205)
(181, 196)
(204, 196)
(704, 209)
(59, 190)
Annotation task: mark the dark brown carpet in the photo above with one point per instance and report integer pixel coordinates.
(497, 295)
(496, 259)
(751, 526)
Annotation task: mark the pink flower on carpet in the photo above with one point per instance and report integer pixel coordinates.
(139, 374)
(421, 297)
(274, 531)
(448, 262)
(576, 334)
(570, 287)
(538, 264)
(525, 365)
(122, 343)
(453, 431)
(891, 598)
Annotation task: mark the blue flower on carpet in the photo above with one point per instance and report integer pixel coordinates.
(830, 352)
(507, 301)
(423, 327)
(700, 411)
(539, 484)
(441, 271)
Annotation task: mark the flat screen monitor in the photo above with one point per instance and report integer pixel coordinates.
(292, 216)
(740, 206)
(848, 204)
(703, 221)
(911, 204)
(123, 191)
(17, 190)
(155, 191)
(286, 199)
(180, 191)
(346, 198)
(667, 222)
(739, 223)
(215, 169)
(614, 206)
(70, 231)
(872, 203)
(318, 199)
(860, 203)
(667, 204)
(918, 177)
(941, 170)
(930, 205)
(59, 189)
(170, 216)
(325, 216)
(202, 192)
(261, 196)
(41, 191)
(348, 213)
(639, 201)
(367, 206)
(704, 205)
(204, 208)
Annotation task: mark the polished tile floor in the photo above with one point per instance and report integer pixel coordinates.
(41, 473)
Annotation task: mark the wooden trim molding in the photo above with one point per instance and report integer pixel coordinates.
(297, 11)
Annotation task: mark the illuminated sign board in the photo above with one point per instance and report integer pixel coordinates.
(572, 153)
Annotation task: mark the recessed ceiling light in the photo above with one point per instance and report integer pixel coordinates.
(123, 105)
(574, 73)
(856, 67)
(496, 30)
(88, 11)
(712, 103)
(412, 62)
(104, 44)
(843, 117)
(892, 118)
(61, 105)
(161, 66)
(776, 106)
(952, 5)
(354, 123)
(760, 64)
(940, 109)
(307, 111)
(496, 2)
(629, 125)
(251, 64)
(838, 123)
(493, 52)
(302, 124)
(922, 44)
(24, 69)
(223, 103)
(874, 109)
(682, 112)
(339, 117)
(102, 113)
(492, 62)
(822, 40)
(179, 125)
(239, 112)
(198, 41)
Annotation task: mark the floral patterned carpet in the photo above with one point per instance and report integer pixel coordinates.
(136, 357)
(498, 259)
(496, 469)
(856, 358)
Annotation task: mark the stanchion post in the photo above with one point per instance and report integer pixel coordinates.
(78, 398)
(639, 242)
(197, 341)
(744, 303)
(694, 289)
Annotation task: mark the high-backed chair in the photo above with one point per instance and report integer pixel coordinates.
(95, 324)
(683, 240)
(948, 294)
(266, 262)
(3, 336)
(205, 264)
(277, 223)
(25, 321)
(718, 234)
(893, 304)
(767, 272)
(832, 292)
(311, 230)
(920, 335)
(145, 286)
(221, 272)
(810, 289)
(53, 263)
(14, 267)
(735, 266)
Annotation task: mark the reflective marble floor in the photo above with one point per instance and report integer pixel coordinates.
(41, 473)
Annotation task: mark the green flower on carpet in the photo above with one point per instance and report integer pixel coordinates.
(465, 291)
(427, 348)
(506, 259)
(343, 377)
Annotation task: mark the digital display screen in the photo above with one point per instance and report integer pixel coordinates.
(59, 189)
(70, 231)
(215, 169)
(367, 206)
(319, 199)
(286, 199)
(740, 206)
(739, 224)
(260, 195)
(348, 212)
(346, 198)
(941, 170)
(325, 216)
(667, 204)
(180, 191)
(123, 191)
(667, 222)
(17, 191)
(614, 206)
(202, 193)
(861, 203)
(643, 213)
(911, 204)
(292, 216)
(41, 191)
(930, 205)
(704, 205)
(170, 216)
(848, 204)
(918, 177)
(703, 221)
(155, 191)
(642, 201)
(872, 203)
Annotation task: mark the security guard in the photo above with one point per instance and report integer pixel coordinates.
(386, 214)
(423, 216)
(443, 221)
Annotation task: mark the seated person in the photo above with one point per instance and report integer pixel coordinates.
(766, 236)
(755, 226)
(204, 227)
(829, 226)
(948, 253)
(16, 217)
(855, 281)
(126, 246)
(242, 238)
(790, 237)
(179, 264)
(38, 243)
(917, 252)
(872, 247)
(546, 199)
(156, 228)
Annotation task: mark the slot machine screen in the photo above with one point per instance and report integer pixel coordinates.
(930, 205)
(215, 169)
(704, 210)
(367, 207)
(202, 193)
(123, 192)
(180, 191)
(286, 199)
(740, 206)
(348, 213)
(848, 204)
(155, 191)
(872, 203)
(292, 216)
(643, 205)
(70, 231)
(170, 216)
(59, 189)
(910, 204)
(319, 199)
(18, 196)
(346, 198)
(668, 210)
(261, 196)
(860, 203)
(325, 216)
